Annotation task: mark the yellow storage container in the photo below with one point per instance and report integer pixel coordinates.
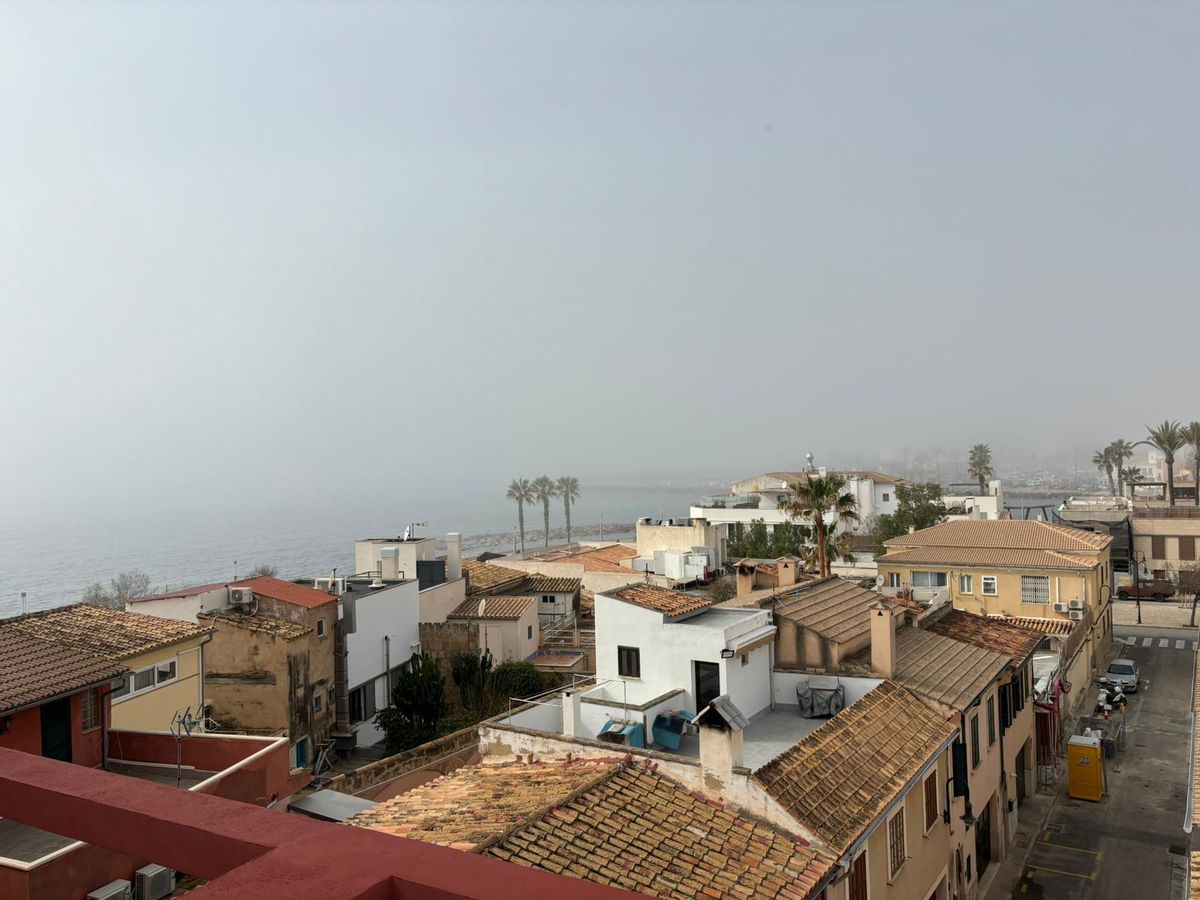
(1085, 768)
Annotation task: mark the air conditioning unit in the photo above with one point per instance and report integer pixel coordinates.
(153, 882)
(1076, 615)
(1076, 604)
(1060, 607)
(114, 890)
(241, 598)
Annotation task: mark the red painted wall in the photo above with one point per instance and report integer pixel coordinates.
(25, 734)
(259, 782)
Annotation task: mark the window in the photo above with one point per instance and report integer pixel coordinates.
(928, 579)
(974, 742)
(931, 800)
(964, 584)
(745, 659)
(124, 688)
(90, 710)
(143, 680)
(320, 628)
(1035, 589)
(989, 585)
(301, 749)
(897, 850)
(886, 497)
(316, 702)
(1158, 547)
(893, 579)
(1187, 548)
(629, 662)
(546, 598)
(529, 632)
(857, 889)
(991, 713)
(330, 697)
(362, 702)
(164, 672)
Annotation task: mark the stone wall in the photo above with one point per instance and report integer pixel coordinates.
(443, 755)
(442, 640)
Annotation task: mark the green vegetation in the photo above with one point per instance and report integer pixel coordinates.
(568, 489)
(545, 489)
(756, 542)
(418, 705)
(917, 506)
(826, 504)
(127, 586)
(1169, 439)
(521, 491)
(979, 465)
(1191, 434)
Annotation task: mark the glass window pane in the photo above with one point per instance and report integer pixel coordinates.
(166, 671)
(143, 679)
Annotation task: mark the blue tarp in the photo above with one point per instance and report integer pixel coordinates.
(632, 733)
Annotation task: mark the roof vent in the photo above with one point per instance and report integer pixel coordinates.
(376, 584)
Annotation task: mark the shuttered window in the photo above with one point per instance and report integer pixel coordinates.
(629, 662)
(857, 889)
(1035, 589)
(1158, 547)
(931, 800)
(975, 742)
(897, 851)
(1187, 548)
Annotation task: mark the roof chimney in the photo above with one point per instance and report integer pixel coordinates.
(453, 556)
(745, 577)
(720, 726)
(883, 640)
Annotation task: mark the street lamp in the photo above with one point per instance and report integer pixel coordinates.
(1133, 566)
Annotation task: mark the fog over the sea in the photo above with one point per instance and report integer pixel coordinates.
(300, 253)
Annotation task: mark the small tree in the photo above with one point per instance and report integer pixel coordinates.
(472, 672)
(127, 586)
(1189, 583)
(418, 703)
(514, 679)
(917, 506)
(263, 570)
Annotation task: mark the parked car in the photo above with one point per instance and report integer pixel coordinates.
(1123, 673)
(1147, 590)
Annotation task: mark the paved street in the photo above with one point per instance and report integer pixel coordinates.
(1130, 844)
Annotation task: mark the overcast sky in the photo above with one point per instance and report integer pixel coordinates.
(276, 250)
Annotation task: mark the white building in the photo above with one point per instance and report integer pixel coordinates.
(441, 584)
(760, 496)
(184, 604)
(966, 501)
(659, 650)
(379, 624)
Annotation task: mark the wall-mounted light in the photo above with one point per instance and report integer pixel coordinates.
(726, 654)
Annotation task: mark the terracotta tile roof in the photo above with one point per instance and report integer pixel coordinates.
(1061, 627)
(1194, 875)
(841, 778)
(641, 831)
(1013, 641)
(603, 559)
(833, 607)
(289, 631)
(483, 576)
(286, 592)
(1004, 534)
(943, 669)
(546, 584)
(110, 633)
(587, 603)
(476, 804)
(492, 607)
(32, 670)
(184, 592)
(988, 558)
(669, 603)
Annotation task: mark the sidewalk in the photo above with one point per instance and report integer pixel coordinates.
(1160, 613)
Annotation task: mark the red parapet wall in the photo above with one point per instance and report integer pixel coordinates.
(248, 852)
(260, 765)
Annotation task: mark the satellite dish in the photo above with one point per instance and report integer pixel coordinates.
(878, 581)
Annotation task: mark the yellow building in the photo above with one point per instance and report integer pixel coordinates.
(164, 658)
(1007, 567)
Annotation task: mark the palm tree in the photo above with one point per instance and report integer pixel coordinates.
(1121, 451)
(1133, 475)
(979, 466)
(521, 491)
(814, 499)
(545, 489)
(1168, 438)
(568, 489)
(1103, 460)
(1191, 434)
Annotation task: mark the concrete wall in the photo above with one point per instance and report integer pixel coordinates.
(183, 609)
(368, 554)
(784, 684)
(682, 538)
(1145, 529)
(24, 732)
(442, 599)
(510, 639)
(377, 780)
(386, 628)
(154, 709)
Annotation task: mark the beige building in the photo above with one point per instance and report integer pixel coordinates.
(507, 625)
(165, 659)
(1009, 568)
(1165, 540)
(270, 666)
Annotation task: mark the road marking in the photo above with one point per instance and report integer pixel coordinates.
(1061, 872)
(1147, 642)
(1131, 641)
(1162, 642)
(1094, 853)
(1179, 645)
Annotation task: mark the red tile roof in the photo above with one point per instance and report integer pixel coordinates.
(183, 592)
(1013, 641)
(286, 591)
(33, 671)
(669, 603)
(500, 606)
